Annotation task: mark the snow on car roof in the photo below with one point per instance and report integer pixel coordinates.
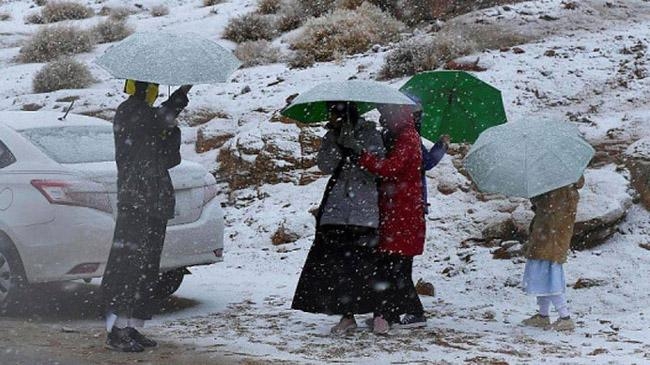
(22, 120)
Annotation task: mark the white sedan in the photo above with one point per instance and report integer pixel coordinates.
(58, 197)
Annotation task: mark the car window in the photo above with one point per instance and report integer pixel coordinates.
(78, 144)
(6, 157)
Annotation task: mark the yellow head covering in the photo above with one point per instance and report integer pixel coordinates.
(151, 94)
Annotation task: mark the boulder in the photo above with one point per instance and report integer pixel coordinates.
(214, 135)
(604, 201)
(425, 288)
(271, 153)
(284, 235)
(637, 160)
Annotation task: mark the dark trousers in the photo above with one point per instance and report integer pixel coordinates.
(396, 292)
(133, 265)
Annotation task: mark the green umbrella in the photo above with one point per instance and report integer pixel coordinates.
(455, 103)
(311, 106)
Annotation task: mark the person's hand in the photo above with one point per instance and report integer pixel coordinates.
(445, 139)
(347, 139)
(345, 131)
(185, 88)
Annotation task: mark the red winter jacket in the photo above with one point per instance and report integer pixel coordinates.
(401, 210)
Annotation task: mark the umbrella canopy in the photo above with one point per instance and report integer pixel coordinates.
(526, 159)
(169, 59)
(311, 106)
(455, 103)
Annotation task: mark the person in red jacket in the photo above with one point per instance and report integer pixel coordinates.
(402, 225)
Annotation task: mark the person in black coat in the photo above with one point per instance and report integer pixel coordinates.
(147, 145)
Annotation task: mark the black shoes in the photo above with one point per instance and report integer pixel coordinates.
(140, 338)
(128, 340)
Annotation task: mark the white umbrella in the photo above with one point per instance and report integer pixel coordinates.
(529, 158)
(169, 59)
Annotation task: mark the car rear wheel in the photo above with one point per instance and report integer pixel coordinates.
(11, 277)
(169, 282)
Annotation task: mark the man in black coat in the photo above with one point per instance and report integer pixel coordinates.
(147, 144)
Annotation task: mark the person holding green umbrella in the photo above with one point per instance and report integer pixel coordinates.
(402, 226)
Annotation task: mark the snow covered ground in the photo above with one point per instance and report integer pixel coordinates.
(241, 306)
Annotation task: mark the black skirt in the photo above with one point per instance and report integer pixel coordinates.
(338, 275)
(396, 293)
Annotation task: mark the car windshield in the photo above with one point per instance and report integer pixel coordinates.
(78, 144)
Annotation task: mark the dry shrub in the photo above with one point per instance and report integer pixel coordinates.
(56, 11)
(346, 32)
(290, 16)
(269, 6)
(120, 13)
(55, 41)
(34, 18)
(211, 2)
(250, 27)
(159, 10)
(111, 30)
(385, 5)
(413, 12)
(256, 53)
(454, 41)
(318, 8)
(64, 73)
(415, 55)
(5, 16)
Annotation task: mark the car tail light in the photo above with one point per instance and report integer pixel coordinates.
(218, 252)
(210, 190)
(79, 193)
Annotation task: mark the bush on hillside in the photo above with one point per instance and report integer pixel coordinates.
(120, 13)
(422, 54)
(111, 30)
(318, 8)
(34, 18)
(455, 40)
(268, 6)
(345, 32)
(51, 42)
(64, 73)
(250, 27)
(291, 15)
(56, 11)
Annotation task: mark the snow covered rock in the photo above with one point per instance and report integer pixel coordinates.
(214, 135)
(269, 153)
(604, 201)
(637, 158)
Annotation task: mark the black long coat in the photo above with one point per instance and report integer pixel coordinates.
(147, 144)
